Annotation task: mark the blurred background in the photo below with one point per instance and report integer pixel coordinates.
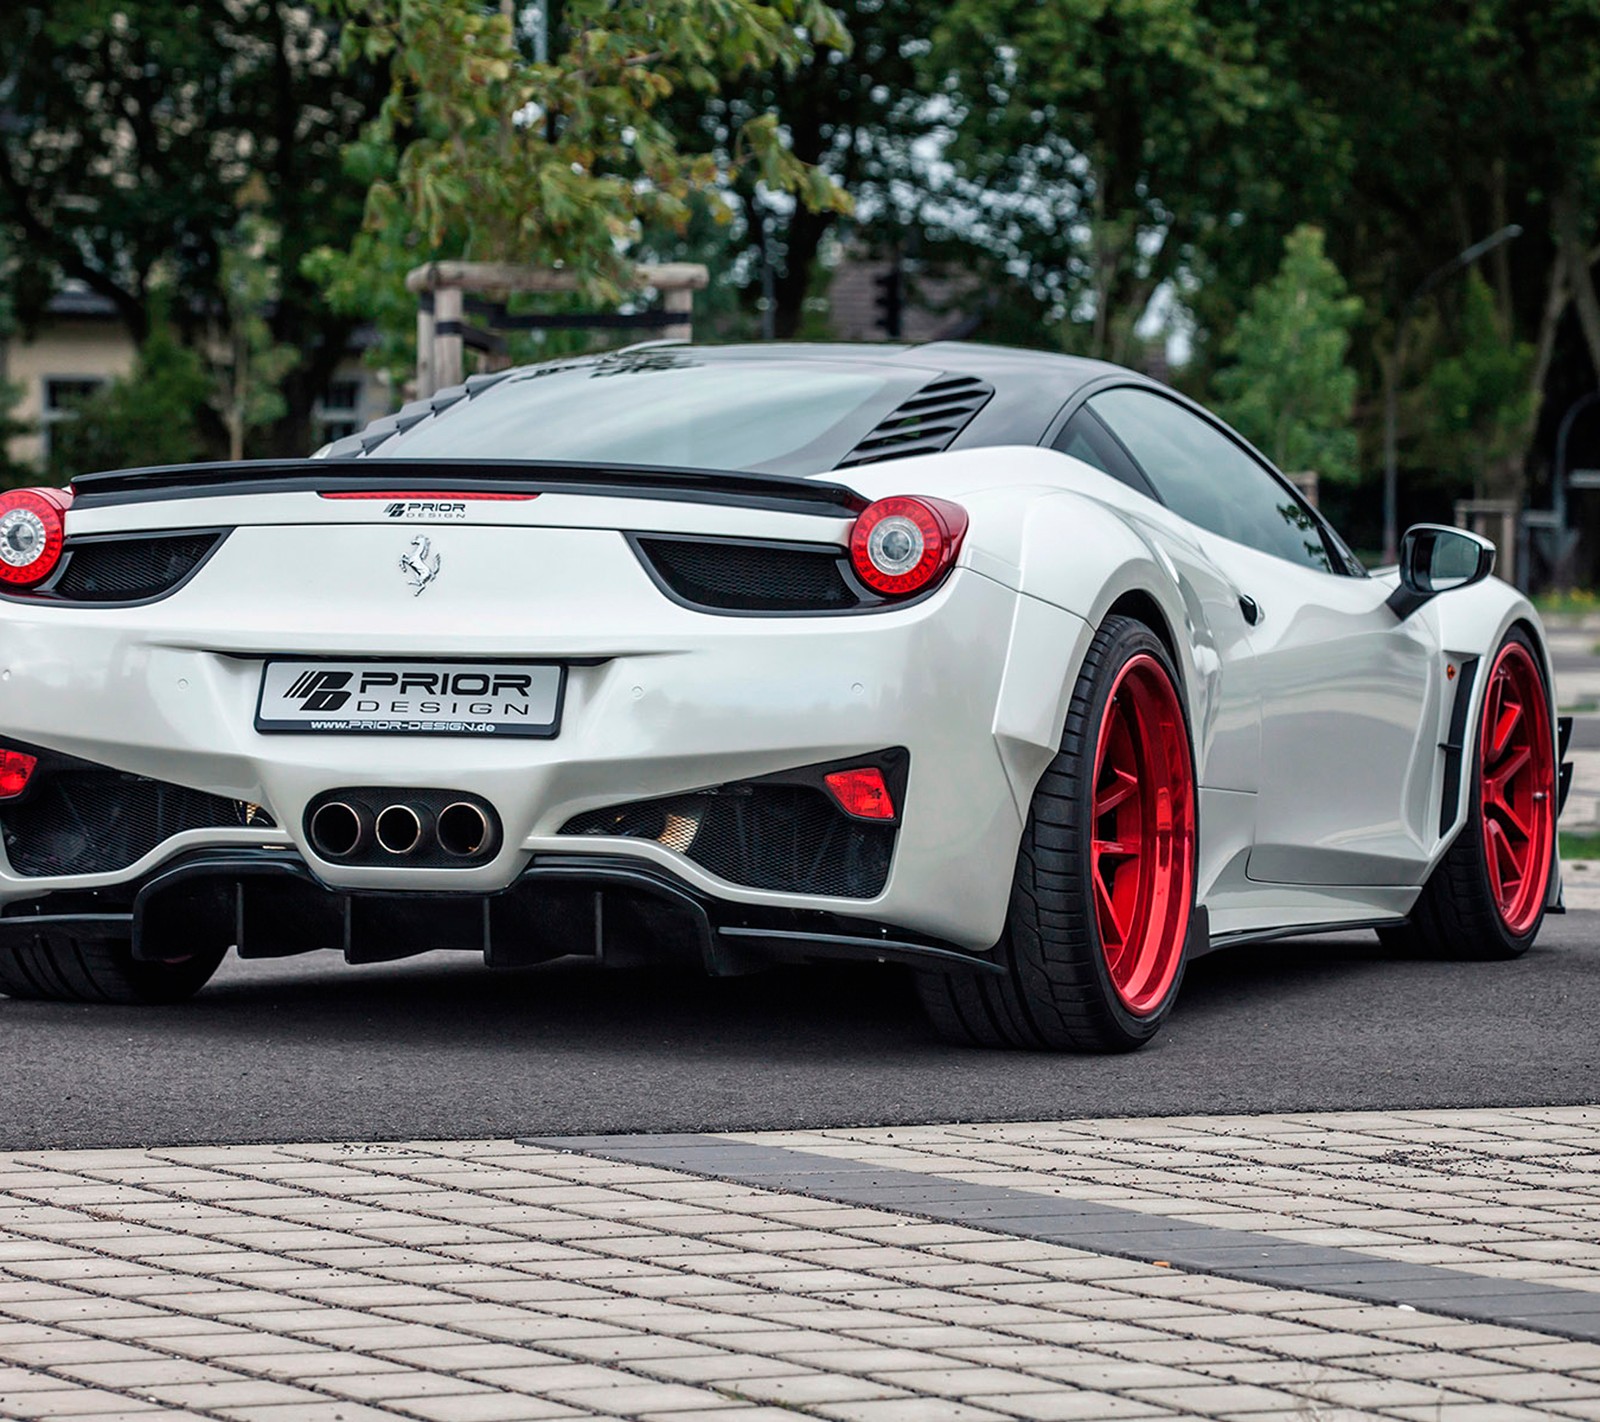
(1362, 230)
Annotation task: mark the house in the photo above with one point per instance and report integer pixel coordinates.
(81, 344)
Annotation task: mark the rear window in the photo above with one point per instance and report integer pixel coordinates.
(667, 409)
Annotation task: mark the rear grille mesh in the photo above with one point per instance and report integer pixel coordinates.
(130, 569)
(78, 818)
(728, 576)
(788, 838)
(925, 424)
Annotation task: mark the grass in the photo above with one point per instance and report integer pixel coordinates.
(1576, 600)
(1579, 846)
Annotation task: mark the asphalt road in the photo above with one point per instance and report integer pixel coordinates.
(439, 1047)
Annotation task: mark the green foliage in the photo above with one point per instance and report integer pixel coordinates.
(151, 417)
(131, 128)
(12, 472)
(1103, 143)
(1290, 389)
(1481, 404)
(248, 365)
(483, 153)
(861, 113)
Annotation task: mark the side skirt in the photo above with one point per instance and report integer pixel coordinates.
(1301, 930)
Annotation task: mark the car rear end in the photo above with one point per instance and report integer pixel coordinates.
(532, 709)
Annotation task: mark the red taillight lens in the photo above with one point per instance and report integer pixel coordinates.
(32, 530)
(15, 771)
(902, 545)
(861, 793)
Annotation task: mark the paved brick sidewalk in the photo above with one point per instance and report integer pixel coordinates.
(490, 1280)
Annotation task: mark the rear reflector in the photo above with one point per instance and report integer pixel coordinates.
(16, 769)
(861, 793)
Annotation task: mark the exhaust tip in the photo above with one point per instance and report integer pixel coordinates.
(463, 830)
(336, 830)
(398, 829)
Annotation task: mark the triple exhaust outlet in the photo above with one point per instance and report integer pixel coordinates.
(435, 828)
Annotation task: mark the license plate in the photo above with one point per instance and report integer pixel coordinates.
(412, 698)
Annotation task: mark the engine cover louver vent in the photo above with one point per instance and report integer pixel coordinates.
(924, 424)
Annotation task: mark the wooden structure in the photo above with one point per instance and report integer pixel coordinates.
(448, 292)
(1496, 520)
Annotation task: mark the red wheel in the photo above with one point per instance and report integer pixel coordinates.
(1517, 771)
(1143, 845)
(1486, 896)
(1095, 938)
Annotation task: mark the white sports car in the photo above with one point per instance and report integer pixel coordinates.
(1017, 669)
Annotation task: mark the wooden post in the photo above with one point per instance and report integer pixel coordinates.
(440, 356)
(426, 384)
(679, 301)
(448, 310)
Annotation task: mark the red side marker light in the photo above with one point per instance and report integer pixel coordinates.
(861, 793)
(32, 533)
(15, 771)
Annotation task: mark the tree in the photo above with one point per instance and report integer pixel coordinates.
(1290, 389)
(1101, 145)
(128, 129)
(484, 153)
(149, 417)
(858, 112)
(249, 366)
(12, 472)
(1483, 406)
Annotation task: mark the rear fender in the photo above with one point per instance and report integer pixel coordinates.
(1075, 561)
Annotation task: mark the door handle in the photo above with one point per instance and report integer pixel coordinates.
(1250, 608)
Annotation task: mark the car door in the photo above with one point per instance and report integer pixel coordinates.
(1349, 693)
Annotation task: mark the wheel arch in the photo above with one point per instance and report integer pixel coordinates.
(1473, 623)
(1110, 569)
(1141, 606)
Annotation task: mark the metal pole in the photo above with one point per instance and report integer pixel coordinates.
(1558, 478)
(1391, 471)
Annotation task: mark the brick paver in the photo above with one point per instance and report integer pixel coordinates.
(487, 1280)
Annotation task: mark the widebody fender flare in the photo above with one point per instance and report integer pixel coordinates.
(1471, 623)
(1074, 561)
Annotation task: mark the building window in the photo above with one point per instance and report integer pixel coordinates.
(63, 394)
(339, 411)
(342, 395)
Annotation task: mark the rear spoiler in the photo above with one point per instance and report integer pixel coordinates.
(783, 492)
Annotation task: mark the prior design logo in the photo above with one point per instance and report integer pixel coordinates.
(320, 690)
(426, 508)
(420, 563)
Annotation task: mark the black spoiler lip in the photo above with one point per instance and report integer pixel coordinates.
(783, 492)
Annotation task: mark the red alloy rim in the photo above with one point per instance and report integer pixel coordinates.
(1516, 788)
(1142, 846)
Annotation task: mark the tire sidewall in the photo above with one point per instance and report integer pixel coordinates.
(1128, 641)
(1515, 945)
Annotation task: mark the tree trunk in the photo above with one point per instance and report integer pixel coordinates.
(1569, 240)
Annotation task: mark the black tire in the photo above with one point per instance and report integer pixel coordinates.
(59, 967)
(1457, 916)
(1056, 992)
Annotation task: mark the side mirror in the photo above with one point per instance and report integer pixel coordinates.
(1436, 559)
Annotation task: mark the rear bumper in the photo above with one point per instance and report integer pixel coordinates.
(609, 909)
(661, 701)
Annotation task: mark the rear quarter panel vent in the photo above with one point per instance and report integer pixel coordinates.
(927, 423)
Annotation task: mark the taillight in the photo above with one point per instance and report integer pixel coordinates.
(861, 793)
(902, 545)
(16, 769)
(32, 530)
